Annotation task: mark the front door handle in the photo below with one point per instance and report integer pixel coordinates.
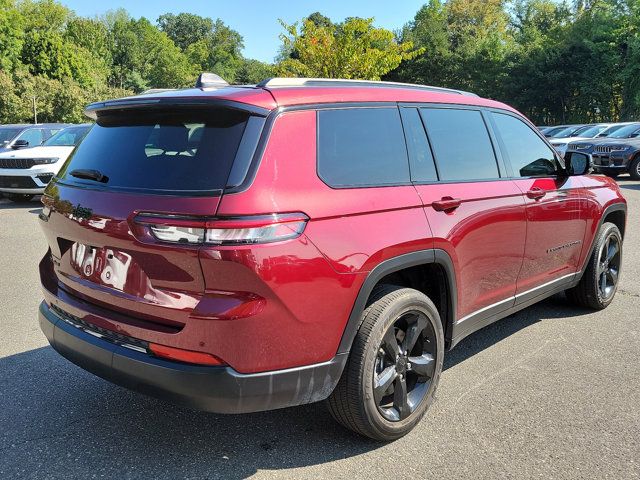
(536, 193)
(446, 204)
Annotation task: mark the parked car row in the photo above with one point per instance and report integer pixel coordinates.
(30, 155)
(613, 148)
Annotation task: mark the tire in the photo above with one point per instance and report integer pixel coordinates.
(18, 197)
(599, 283)
(634, 168)
(372, 412)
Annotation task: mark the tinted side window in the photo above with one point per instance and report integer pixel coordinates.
(361, 146)
(422, 167)
(528, 154)
(461, 144)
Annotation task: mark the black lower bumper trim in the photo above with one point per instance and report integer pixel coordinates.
(214, 389)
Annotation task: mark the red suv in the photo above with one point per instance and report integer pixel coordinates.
(245, 248)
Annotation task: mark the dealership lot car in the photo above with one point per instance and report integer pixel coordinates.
(26, 172)
(239, 249)
(14, 137)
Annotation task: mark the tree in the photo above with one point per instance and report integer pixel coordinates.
(144, 57)
(352, 49)
(11, 35)
(464, 45)
(220, 51)
(253, 71)
(185, 28)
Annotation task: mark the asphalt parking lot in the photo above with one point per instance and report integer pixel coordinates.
(552, 392)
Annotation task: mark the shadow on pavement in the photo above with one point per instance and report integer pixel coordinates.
(59, 421)
(6, 204)
(625, 183)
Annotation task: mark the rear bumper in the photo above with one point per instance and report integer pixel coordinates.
(214, 389)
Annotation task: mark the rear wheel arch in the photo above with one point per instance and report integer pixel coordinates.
(409, 270)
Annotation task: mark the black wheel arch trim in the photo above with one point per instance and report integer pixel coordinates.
(615, 207)
(395, 264)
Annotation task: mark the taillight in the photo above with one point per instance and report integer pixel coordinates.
(223, 231)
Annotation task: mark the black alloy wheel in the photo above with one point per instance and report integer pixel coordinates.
(609, 266)
(405, 366)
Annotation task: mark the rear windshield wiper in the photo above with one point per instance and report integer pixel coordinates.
(89, 175)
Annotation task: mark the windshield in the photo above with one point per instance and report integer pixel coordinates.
(567, 132)
(68, 137)
(7, 134)
(589, 132)
(624, 132)
(162, 151)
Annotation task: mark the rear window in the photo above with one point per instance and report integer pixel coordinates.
(461, 144)
(164, 152)
(361, 147)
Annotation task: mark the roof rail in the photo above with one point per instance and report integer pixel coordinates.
(339, 82)
(156, 90)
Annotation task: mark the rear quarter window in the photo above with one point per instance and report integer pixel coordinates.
(162, 152)
(360, 147)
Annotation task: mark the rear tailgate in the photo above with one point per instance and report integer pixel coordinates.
(98, 257)
(158, 161)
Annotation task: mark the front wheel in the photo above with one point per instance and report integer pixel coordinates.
(634, 169)
(18, 197)
(394, 365)
(599, 282)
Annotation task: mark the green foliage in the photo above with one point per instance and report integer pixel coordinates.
(11, 35)
(554, 62)
(352, 49)
(218, 51)
(253, 71)
(67, 61)
(185, 28)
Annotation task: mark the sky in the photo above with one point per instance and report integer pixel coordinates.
(257, 20)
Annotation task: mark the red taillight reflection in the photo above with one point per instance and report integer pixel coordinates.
(188, 356)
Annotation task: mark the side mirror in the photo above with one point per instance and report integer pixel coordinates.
(576, 163)
(20, 144)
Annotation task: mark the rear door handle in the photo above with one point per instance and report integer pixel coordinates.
(536, 193)
(446, 204)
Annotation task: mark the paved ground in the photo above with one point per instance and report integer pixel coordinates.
(552, 392)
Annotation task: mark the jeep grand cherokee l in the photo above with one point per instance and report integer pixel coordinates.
(248, 248)
(26, 172)
(615, 157)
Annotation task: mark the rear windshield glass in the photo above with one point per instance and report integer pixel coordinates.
(165, 152)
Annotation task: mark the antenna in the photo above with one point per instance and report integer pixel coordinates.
(206, 79)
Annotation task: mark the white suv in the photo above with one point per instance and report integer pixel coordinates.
(26, 172)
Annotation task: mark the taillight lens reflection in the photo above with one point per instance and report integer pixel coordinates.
(224, 231)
